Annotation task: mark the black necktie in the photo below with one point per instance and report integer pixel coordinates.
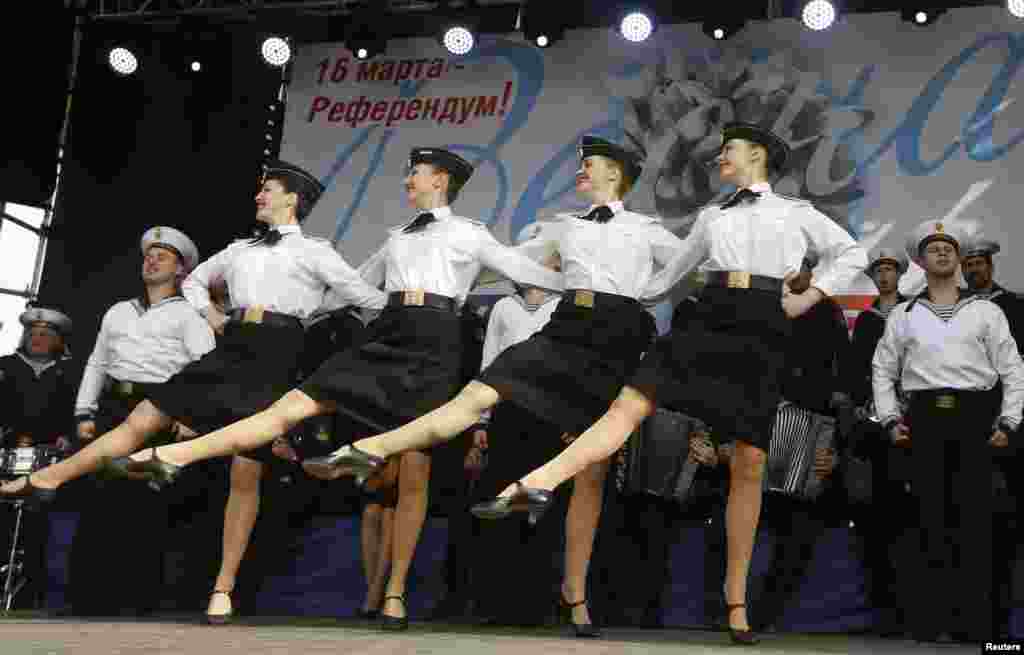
(419, 222)
(601, 214)
(741, 196)
(270, 237)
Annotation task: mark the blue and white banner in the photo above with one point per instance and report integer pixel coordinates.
(890, 123)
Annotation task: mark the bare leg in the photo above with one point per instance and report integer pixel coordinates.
(413, 481)
(369, 537)
(596, 444)
(375, 592)
(144, 421)
(247, 434)
(580, 527)
(746, 472)
(240, 514)
(443, 424)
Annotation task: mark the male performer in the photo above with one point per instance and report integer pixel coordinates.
(978, 268)
(36, 383)
(724, 368)
(411, 360)
(884, 523)
(948, 349)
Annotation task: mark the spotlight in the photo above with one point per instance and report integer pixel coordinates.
(196, 66)
(276, 51)
(122, 61)
(542, 23)
(637, 25)
(818, 14)
(1016, 8)
(921, 15)
(458, 39)
(366, 36)
(720, 29)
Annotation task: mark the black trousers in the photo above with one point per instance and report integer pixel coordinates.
(952, 482)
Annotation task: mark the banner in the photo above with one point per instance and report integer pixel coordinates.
(890, 123)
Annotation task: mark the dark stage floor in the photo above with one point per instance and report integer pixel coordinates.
(28, 634)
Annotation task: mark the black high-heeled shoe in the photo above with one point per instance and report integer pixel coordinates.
(33, 496)
(394, 623)
(581, 630)
(160, 474)
(221, 619)
(367, 614)
(740, 637)
(345, 460)
(534, 502)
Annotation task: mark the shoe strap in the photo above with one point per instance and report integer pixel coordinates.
(734, 606)
(569, 605)
(226, 592)
(400, 598)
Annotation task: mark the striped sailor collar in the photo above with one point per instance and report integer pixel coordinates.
(966, 297)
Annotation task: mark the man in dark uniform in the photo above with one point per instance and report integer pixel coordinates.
(884, 523)
(948, 349)
(37, 388)
(36, 379)
(977, 267)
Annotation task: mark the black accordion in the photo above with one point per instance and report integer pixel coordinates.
(656, 458)
(798, 434)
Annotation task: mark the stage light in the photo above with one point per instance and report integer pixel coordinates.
(122, 61)
(818, 14)
(196, 66)
(719, 29)
(1016, 8)
(921, 15)
(276, 51)
(366, 35)
(636, 26)
(458, 39)
(365, 45)
(541, 23)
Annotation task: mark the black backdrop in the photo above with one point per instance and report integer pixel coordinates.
(163, 147)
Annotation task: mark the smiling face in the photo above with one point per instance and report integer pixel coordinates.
(740, 161)
(423, 184)
(598, 175)
(274, 205)
(160, 265)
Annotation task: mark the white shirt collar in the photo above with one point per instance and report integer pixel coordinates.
(438, 212)
(616, 206)
(758, 187)
(288, 229)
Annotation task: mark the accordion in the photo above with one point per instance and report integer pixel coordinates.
(797, 435)
(656, 458)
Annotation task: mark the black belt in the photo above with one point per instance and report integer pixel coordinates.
(256, 314)
(123, 388)
(588, 298)
(742, 280)
(944, 398)
(420, 298)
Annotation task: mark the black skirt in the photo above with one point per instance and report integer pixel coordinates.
(723, 365)
(253, 365)
(570, 372)
(409, 364)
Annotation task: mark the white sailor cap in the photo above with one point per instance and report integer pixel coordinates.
(930, 231)
(890, 255)
(51, 317)
(173, 239)
(979, 246)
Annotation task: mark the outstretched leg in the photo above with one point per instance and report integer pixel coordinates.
(144, 421)
(596, 444)
(442, 424)
(413, 484)
(247, 434)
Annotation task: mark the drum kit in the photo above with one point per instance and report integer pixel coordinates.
(14, 463)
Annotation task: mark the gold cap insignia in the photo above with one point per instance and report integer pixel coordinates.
(938, 228)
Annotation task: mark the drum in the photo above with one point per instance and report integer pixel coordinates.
(797, 435)
(16, 462)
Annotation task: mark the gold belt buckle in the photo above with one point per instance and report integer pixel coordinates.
(584, 298)
(124, 388)
(253, 314)
(738, 280)
(945, 401)
(415, 297)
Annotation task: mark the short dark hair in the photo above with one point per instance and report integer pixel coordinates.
(454, 186)
(302, 205)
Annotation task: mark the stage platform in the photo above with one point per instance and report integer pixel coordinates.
(26, 634)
